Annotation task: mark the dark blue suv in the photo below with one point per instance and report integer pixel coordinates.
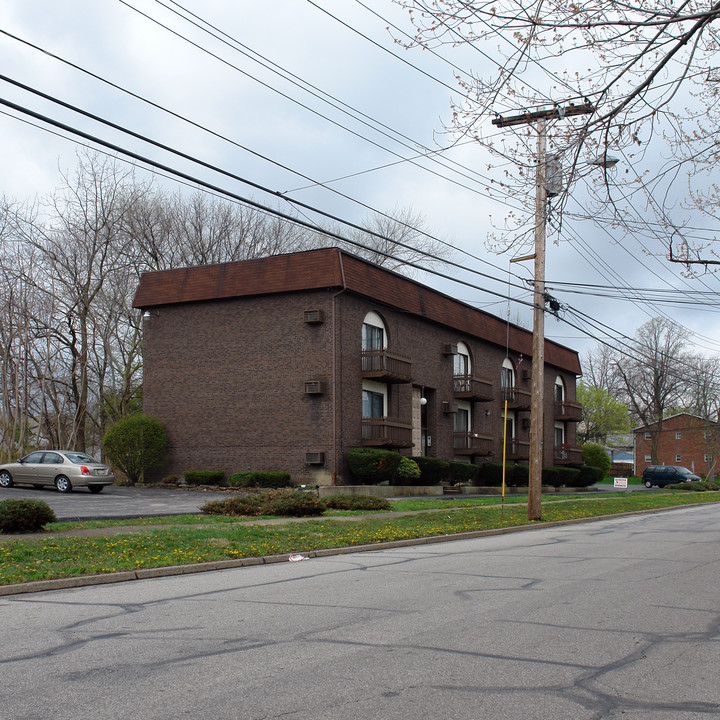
(662, 475)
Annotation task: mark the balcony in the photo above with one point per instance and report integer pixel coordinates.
(568, 411)
(386, 367)
(466, 387)
(568, 455)
(516, 399)
(386, 432)
(517, 450)
(472, 444)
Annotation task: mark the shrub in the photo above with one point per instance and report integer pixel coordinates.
(236, 506)
(568, 476)
(24, 516)
(204, 477)
(357, 502)
(490, 474)
(371, 466)
(408, 472)
(170, 480)
(519, 476)
(432, 470)
(589, 475)
(462, 472)
(135, 445)
(266, 479)
(596, 456)
(292, 503)
(697, 486)
(551, 476)
(286, 503)
(241, 479)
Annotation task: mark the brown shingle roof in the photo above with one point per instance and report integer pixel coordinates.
(332, 268)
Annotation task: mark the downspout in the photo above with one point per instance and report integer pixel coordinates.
(335, 370)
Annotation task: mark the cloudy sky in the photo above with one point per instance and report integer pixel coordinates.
(317, 101)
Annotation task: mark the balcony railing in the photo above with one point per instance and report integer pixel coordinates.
(517, 450)
(568, 411)
(386, 366)
(386, 432)
(568, 455)
(472, 388)
(472, 444)
(516, 399)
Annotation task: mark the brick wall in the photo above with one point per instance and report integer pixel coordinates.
(227, 378)
(691, 445)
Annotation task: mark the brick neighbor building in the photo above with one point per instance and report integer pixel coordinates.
(286, 362)
(682, 439)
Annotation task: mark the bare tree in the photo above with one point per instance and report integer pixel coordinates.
(654, 377)
(70, 340)
(647, 68)
(395, 240)
(704, 401)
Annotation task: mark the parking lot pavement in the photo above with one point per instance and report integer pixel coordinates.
(116, 501)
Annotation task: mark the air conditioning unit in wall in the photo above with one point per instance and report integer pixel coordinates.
(314, 387)
(525, 423)
(314, 457)
(526, 374)
(449, 407)
(450, 349)
(313, 317)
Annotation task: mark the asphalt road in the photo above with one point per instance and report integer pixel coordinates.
(607, 619)
(115, 501)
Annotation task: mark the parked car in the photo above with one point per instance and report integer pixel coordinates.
(65, 469)
(662, 475)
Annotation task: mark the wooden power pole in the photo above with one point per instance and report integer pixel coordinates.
(537, 388)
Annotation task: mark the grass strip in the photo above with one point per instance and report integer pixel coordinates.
(26, 560)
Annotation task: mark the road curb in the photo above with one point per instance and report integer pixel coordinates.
(213, 565)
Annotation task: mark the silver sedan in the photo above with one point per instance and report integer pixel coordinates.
(65, 469)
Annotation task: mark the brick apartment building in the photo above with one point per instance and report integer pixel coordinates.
(286, 362)
(684, 439)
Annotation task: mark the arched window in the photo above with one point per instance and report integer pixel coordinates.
(507, 374)
(461, 360)
(374, 336)
(559, 389)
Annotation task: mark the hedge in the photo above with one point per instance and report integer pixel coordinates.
(462, 472)
(433, 470)
(263, 479)
(282, 502)
(371, 466)
(204, 477)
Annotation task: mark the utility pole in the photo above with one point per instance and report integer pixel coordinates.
(537, 387)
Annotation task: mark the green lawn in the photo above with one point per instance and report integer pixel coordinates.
(200, 538)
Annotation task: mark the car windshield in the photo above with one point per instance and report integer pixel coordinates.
(78, 458)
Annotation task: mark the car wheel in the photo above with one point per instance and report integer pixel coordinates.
(5, 479)
(648, 484)
(95, 489)
(63, 484)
